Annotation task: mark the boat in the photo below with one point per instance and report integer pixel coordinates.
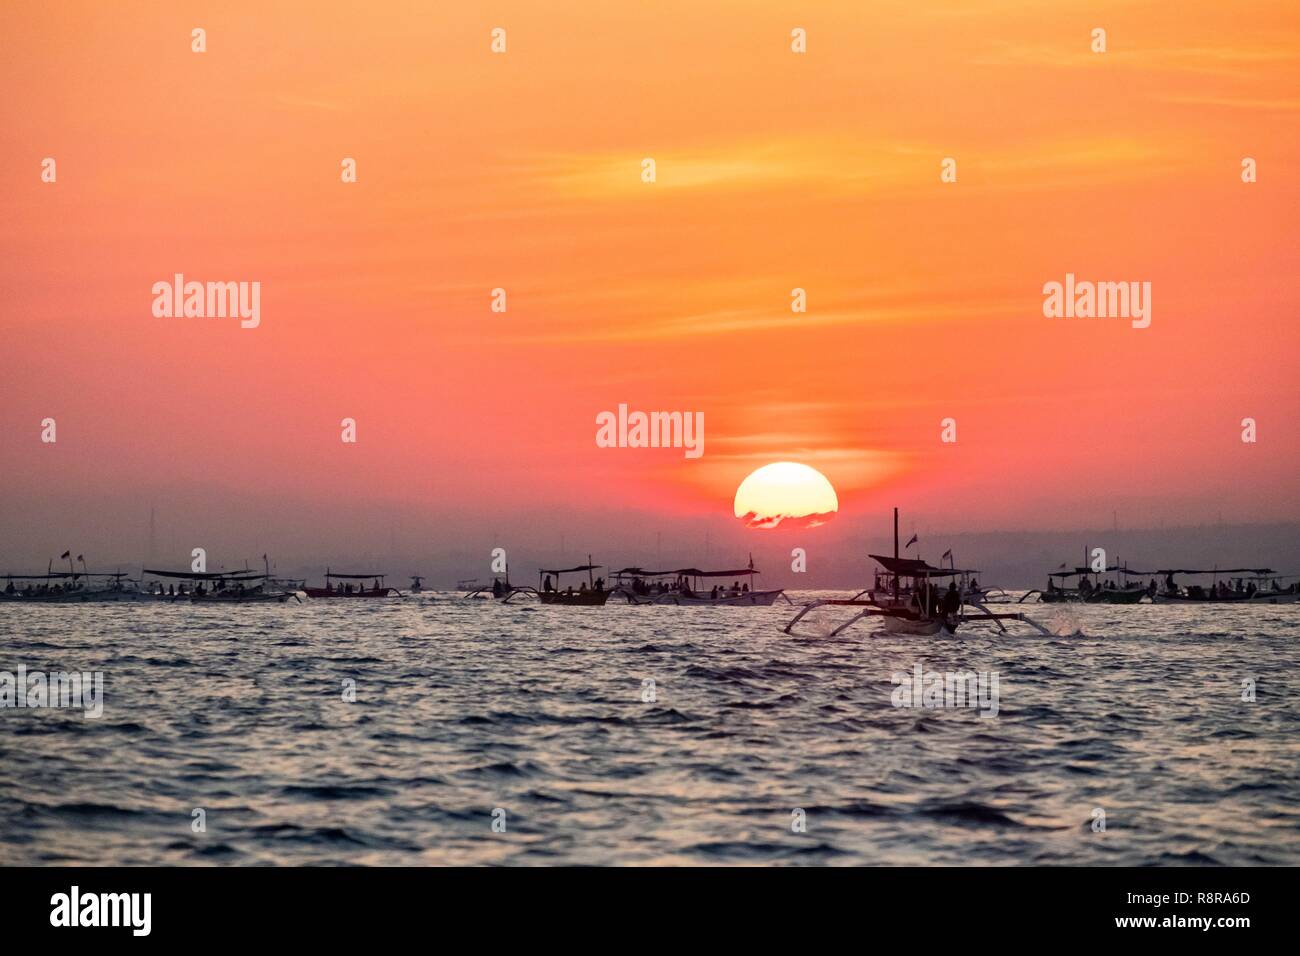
(591, 594)
(633, 584)
(683, 587)
(225, 587)
(73, 588)
(908, 596)
(1253, 586)
(498, 590)
(1092, 587)
(346, 590)
(417, 584)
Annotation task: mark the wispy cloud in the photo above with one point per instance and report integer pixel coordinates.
(1078, 55)
(1234, 102)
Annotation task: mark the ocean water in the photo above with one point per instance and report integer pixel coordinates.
(465, 708)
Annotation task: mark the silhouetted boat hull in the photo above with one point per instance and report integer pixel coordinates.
(367, 593)
(742, 599)
(574, 599)
(1259, 597)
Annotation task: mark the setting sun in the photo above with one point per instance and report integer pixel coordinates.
(788, 492)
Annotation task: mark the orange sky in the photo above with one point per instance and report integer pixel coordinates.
(521, 170)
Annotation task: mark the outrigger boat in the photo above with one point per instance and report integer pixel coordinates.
(591, 594)
(71, 588)
(1253, 586)
(345, 590)
(1092, 588)
(634, 584)
(498, 590)
(226, 587)
(683, 587)
(909, 599)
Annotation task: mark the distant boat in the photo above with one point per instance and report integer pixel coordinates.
(499, 590)
(591, 594)
(683, 587)
(1253, 586)
(67, 587)
(224, 587)
(417, 584)
(346, 590)
(1092, 588)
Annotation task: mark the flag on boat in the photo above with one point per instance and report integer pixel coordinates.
(65, 554)
(947, 554)
(911, 541)
(81, 557)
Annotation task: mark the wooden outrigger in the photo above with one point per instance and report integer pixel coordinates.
(683, 587)
(345, 590)
(1261, 587)
(592, 594)
(908, 601)
(1093, 587)
(236, 587)
(72, 588)
(498, 590)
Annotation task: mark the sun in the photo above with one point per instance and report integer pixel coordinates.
(785, 492)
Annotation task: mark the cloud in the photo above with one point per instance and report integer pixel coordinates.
(1235, 102)
(1078, 55)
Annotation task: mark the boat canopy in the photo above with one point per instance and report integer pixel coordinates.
(335, 574)
(643, 573)
(206, 575)
(915, 567)
(1078, 571)
(697, 573)
(581, 567)
(40, 577)
(1259, 571)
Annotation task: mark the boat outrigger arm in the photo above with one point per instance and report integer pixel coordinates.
(500, 590)
(873, 608)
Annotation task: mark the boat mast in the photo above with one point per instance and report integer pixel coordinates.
(896, 554)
